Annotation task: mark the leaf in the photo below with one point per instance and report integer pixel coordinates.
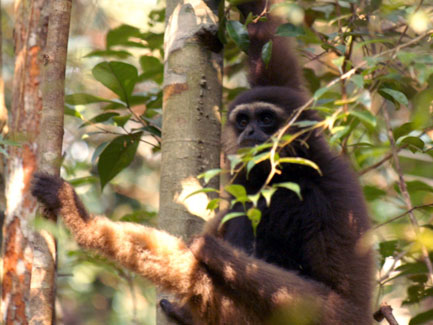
(403, 130)
(152, 69)
(422, 318)
(320, 92)
(396, 95)
(202, 190)
(98, 151)
(230, 216)
(73, 112)
(290, 30)
(416, 186)
(121, 54)
(387, 248)
(121, 120)
(83, 99)
(209, 174)
(238, 191)
(255, 216)
(83, 181)
(120, 35)
(235, 160)
(104, 117)
(267, 194)
(300, 161)
(117, 76)
(213, 204)
(117, 155)
(358, 80)
(415, 143)
(239, 34)
(256, 160)
(366, 117)
(291, 186)
(267, 52)
(372, 192)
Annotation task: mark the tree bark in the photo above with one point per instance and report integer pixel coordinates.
(31, 21)
(191, 113)
(42, 291)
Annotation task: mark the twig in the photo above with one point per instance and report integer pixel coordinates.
(380, 162)
(403, 214)
(385, 312)
(405, 193)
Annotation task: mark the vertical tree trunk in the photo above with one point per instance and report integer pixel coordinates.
(31, 20)
(191, 116)
(3, 110)
(42, 291)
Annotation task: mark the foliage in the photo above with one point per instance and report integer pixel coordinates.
(369, 70)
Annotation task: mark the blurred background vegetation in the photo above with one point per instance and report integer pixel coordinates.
(389, 44)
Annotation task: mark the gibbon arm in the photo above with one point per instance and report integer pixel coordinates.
(154, 254)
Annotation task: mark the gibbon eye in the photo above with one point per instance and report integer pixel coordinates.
(242, 121)
(267, 119)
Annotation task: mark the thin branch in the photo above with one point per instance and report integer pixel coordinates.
(403, 214)
(380, 162)
(385, 312)
(405, 193)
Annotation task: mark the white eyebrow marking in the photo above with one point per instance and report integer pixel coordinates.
(250, 107)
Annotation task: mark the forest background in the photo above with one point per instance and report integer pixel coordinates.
(369, 69)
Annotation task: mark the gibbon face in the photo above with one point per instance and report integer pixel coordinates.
(255, 122)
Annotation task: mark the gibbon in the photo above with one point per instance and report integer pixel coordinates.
(308, 262)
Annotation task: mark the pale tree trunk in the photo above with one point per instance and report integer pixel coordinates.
(42, 290)
(191, 113)
(31, 21)
(3, 110)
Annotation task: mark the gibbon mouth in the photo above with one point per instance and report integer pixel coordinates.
(248, 143)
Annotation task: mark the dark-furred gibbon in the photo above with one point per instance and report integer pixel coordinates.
(308, 262)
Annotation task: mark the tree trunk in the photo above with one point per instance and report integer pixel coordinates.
(31, 21)
(42, 291)
(191, 114)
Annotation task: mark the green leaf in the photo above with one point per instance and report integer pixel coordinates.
(238, 191)
(290, 186)
(300, 161)
(83, 181)
(202, 190)
(320, 92)
(119, 77)
(230, 216)
(121, 54)
(256, 160)
(387, 248)
(73, 112)
(366, 117)
(290, 30)
(422, 318)
(415, 143)
(416, 186)
(267, 52)
(101, 118)
(98, 151)
(239, 34)
(235, 160)
(254, 199)
(209, 174)
(117, 155)
(152, 69)
(267, 194)
(255, 215)
(83, 99)
(213, 204)
(372, 192)
(338, 62)
(396, 95)
(121, 120)
(358, 80)
(403, 130)
(120, 35)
